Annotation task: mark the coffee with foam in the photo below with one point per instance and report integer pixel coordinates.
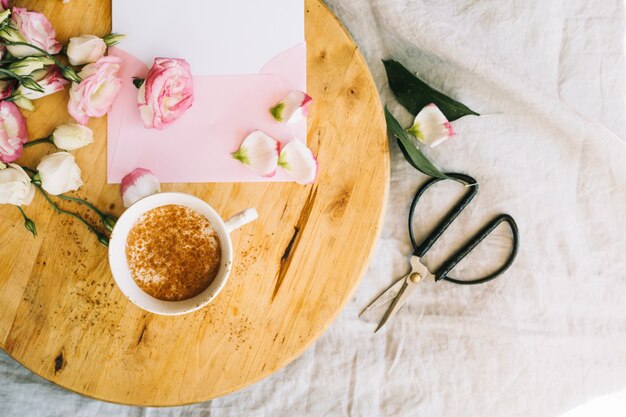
(173, 253)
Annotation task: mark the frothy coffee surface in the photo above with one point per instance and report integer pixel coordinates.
(173, 253)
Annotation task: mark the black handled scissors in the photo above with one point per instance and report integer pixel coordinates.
(403, 288)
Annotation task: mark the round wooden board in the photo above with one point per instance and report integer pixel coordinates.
(64, 318)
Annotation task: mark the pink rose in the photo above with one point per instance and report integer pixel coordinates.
(94, 96)
(50, 80)
(33, 28)
(13, 133)
(4, 4)
(166, 93)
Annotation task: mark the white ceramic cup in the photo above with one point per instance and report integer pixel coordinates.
(119, 264)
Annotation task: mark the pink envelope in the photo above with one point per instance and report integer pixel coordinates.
(198, 146)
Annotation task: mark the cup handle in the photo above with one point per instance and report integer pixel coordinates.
(240, 219)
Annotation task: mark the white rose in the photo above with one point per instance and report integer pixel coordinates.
(59, 173)
(15, 186)
(85, 49)
(72, 136)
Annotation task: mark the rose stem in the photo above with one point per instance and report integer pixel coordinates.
(28, 223)
(38, 141)
(101, 238)
(74, 77)
(107, 220)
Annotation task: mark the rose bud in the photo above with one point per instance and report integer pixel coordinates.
(29, 65)
(4, 15)
(33, 28)
(138, 184)
(23, 103)
(70, 137)
(15, 186)
(59, 173)
(85, 49)
(431, 126)
(94, 96)
(299, 162)
(113, 38)
(6, 88)
(166, 94)
(50, 80)
(292, 108)
(13, 133)
(259, 152)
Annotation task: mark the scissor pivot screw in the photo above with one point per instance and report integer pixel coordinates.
(415, 278)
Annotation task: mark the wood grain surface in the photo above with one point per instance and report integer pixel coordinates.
(63, 317)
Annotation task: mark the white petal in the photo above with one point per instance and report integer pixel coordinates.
(138, 184)
(431, 126)
(299, 162)
(260, 153)
(292, 108)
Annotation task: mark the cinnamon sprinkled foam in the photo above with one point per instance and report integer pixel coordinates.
(173, 253)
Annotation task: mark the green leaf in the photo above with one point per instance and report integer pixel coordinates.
(413, 155)
(414, 94)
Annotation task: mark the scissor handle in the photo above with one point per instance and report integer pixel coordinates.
(442, 273)
(421, 249)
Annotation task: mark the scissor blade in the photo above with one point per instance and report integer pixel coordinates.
(407, 289)
(385, 298)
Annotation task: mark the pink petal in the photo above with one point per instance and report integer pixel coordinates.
(138, 184)
(292, 108)
(260, 153)
(431, 126)
(299, 162)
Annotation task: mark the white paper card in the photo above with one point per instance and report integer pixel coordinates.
(217, 37)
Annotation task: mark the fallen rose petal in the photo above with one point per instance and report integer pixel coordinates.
(299, 162)
(260, 153)
(138, 184)
(292, 108)
(431, 126)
